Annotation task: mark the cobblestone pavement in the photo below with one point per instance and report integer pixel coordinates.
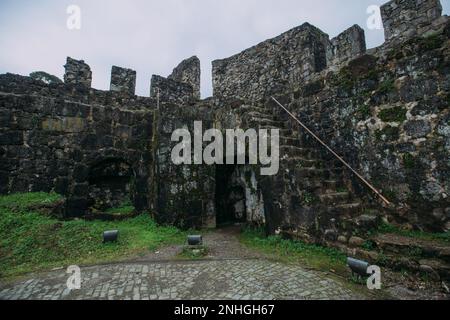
(230, 272)
(224, 279)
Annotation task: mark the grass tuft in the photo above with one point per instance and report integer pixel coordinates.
(396, 114)
(313, 256)
(388, 228)
(32, 241)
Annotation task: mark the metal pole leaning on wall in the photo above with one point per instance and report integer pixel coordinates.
(334, 153)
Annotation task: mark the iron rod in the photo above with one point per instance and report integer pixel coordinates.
(334, 153)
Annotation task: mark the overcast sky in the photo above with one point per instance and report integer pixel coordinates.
(152, 37)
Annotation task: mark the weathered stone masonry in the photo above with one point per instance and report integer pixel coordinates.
(385, 110)
(53, 136)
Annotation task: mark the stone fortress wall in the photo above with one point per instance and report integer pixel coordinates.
(54, 136)
(384, 109)
(282, 63)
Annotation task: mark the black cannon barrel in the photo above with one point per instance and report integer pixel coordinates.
(110, 236)
(358, 266)
(195, 240)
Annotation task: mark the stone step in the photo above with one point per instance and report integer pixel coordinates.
(433, 266)
(322, 173)
(334, 173)
(300, 162)
(397, 244)
(330, 184)
(436, 268)
(289, 141)
(263, 115)
(261, 110)
(350, 209)
(334, 198)
(298, 151)
(335, 163)
(318, 185)
(303, 173)
(282, 132)
(263, 122)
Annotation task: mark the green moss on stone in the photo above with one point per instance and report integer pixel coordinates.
(386, 86)
(431, 42)
(396, 114)
(388, 134)
(373, 74)
(391, 195)
(346, 80)
(409, 161)
(309, 199)
(364, 111)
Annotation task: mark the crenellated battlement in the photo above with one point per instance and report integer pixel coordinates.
(294, 57)
(182, 86)
(283, 62)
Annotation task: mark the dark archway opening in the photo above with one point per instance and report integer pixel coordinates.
(230, 197)
(111, 185)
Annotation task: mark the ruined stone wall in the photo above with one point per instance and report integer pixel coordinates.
(284, 62)
(52, 136)
(185, 193)
(388, 115)
(99, 147)
(289, 58)
(385, 111)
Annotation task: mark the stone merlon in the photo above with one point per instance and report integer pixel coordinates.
(348, 45)
(77, 73)
(188, 71)
(403, 19)
(123, 80)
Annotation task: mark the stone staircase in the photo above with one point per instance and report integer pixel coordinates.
(318, 182)
(305, 174)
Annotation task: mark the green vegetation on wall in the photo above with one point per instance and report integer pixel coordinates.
(391, 229)
(364, 111)
(396, 114)
(409, 161)
(388, 134)
(386, 86)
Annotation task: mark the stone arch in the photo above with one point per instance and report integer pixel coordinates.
(87, 175)
(111, 183)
